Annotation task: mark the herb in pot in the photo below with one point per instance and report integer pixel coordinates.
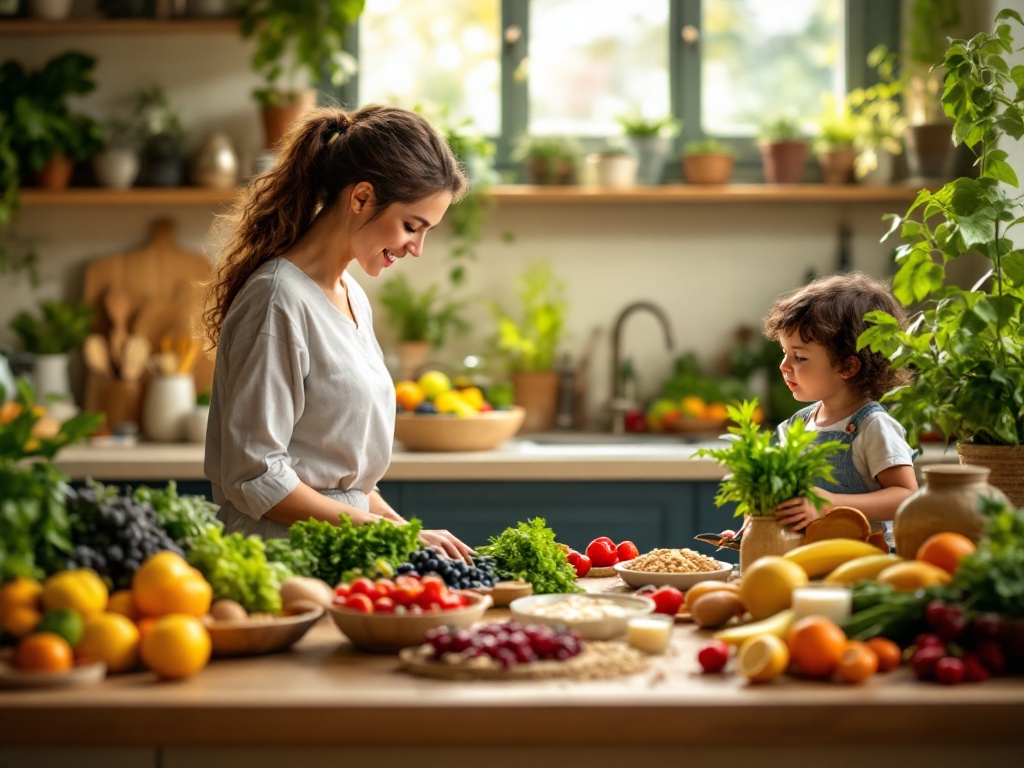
(61, 327)
(185, 518)
(529, 552)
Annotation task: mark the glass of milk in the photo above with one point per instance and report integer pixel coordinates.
(833, 601)
(650, 633)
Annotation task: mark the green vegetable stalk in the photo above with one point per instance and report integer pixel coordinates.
(529, 552)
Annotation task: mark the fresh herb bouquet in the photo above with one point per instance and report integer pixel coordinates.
(764, 472)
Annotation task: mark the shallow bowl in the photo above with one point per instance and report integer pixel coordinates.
(254, 636)
(525, 611)
(390, 633)
(681, 581)
(446, 432)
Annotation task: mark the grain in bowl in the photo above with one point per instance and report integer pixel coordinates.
(674, 561)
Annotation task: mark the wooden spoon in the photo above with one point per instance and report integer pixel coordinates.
(134, 357)
(97, 355)
(118, 304)
(154, 318)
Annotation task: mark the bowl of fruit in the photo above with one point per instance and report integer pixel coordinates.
(435, 416)
(413, 606)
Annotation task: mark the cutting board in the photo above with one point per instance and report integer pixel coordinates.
(159, 275)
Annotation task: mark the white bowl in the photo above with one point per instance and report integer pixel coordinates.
(681, 581)
(390, 632)
(525, 611)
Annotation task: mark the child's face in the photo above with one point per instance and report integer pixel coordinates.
(807, 370)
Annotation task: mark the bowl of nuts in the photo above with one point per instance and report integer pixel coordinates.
(679, 568)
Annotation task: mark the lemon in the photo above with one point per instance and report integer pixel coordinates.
(433, 383)
(762, 658)
(692, 406)
(80, 590)
(112, 639)
(473, 396)
(767, 586)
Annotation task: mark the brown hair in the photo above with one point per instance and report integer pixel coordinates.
(398, 152)
(830, 311)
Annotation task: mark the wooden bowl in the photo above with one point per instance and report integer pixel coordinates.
(445, 432)
(254, 636)
(390, 632)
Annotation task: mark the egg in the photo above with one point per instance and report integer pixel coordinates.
(713, 609)
(228, 610)
(306, 588)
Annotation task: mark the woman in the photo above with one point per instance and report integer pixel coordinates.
(303, 410)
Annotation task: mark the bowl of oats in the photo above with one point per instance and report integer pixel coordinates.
(679, 568)
(591, 616)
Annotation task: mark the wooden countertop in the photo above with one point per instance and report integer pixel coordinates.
(324, 693)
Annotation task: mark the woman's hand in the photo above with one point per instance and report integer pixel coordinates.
(796, 514)
(447, 543)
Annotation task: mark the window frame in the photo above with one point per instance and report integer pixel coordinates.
(868, 23)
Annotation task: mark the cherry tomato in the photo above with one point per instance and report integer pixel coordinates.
(582, 566)
(713, 656)
(434, 589)
(627, 550)
(383, 605)
(341, 592)
(667, 600)
(573, 557)
(363, 586)
(359, 602)
(602, 552)
(451, 601)
(385, 587)
(949, 670)
(407, 593)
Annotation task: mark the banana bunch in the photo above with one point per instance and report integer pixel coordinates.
(823, 557)
(860, 568)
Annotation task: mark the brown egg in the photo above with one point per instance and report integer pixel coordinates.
(715, 608)
(306, 588)
(704, 587)
(228, 610)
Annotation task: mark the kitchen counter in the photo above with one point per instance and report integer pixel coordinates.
(518, 459)
(325, 694)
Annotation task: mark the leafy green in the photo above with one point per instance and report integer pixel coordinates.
(964, 345)
(531, 345)
(185, 518)
(529, 552)
(421, 315)
(237, 568)
(764, 472)
(336, 550)
(992, 578)
(880, 609)
(689, 379)
(61, 328)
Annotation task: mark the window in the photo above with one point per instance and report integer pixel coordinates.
(570, 67)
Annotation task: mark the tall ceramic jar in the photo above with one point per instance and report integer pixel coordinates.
(948, 500)
(764, 536)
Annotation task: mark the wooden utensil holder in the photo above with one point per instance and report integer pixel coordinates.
(121, 402)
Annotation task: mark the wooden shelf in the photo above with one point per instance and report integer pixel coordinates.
(42, 27)
(678, 194)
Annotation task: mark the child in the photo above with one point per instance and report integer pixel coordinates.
(818, 326)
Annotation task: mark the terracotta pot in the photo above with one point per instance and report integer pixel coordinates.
(1006, 465)
(277, 119)
(708, 168)
(948, 501)
(764, 537)
(783, 161)
(537, 393)
(837, 166)
(551, 171)
(412, 356)
(56, 174)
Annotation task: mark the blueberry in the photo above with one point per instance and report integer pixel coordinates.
(426, 408)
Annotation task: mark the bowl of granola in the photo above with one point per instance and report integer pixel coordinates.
(679, 568)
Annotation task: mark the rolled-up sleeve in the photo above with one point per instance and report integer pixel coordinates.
(262, 400)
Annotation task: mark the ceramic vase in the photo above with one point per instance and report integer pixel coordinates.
(613, 171)
(50, 374)
(216, 163)
(168, 403)
(948, 500)
(651, 153)
(116, 168)
(763, 537)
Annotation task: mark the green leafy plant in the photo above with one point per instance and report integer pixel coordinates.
(420, 315)
(549, 159)
(296, 39)
(877, 110)
(634, 124)
(61, 327)
(708, 146)
(238, 569)
(185, 518)
(965, 345)
(764, 472)
(532, 343)
(780, 128)
(837, 128)
(530, 552)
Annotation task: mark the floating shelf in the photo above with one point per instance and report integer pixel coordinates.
(128, 198)
(42, 28)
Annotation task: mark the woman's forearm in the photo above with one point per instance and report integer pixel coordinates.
(381, 508)
(305, 502)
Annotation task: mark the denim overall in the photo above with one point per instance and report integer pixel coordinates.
(846, 478)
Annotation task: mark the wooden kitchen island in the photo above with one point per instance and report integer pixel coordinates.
(324, 703)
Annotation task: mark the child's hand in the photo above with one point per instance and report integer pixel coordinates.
(796, 514)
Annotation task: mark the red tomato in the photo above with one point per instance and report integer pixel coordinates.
(341, 592)
(451, 601)
(667, 600)
(627, 551)
(383, 605)
(407, 593)
(602, 552)
(359, 602)
(434, 589)
(363, 586)
(573, 557)
(582, 565)
(385, 587)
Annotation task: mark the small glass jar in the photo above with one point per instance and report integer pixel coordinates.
(650, 633)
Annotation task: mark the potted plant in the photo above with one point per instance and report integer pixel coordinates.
(965, 345)
(422, 319)
(163, 135)
(878, 115)
(835, 145)
(298, 42)
(548, 159)
(783, 150)
(613, 167)
(708, 161)
(59, 328)
(530, 345)
(117, 166)
(651, 141)
(763, 473)
(44, 134)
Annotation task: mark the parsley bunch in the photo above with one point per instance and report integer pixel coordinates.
(992, 579)
(529, 552)
(764, 472)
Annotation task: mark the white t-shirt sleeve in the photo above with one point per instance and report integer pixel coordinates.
(881, 444)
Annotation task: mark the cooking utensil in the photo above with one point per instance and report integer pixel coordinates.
(97, 355)
(154, 318)
(118, 304)
(134, 357)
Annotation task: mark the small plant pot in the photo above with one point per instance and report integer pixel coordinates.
(874, 167)
(930, 152)
(116, 168)
(277, 119)
(651, 153)
(550, 171)
(51, 10)
(783, 161)
(708, 168)
(56, 174)
(537, 393)
(613, 171)
(837, 166)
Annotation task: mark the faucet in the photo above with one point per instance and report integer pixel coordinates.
(620, 404)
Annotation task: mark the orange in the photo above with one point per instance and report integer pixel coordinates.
(692, 406)
(815, 645)
(123, 602)
(44, 652)
(716, 411)
(20, 592)
(20, 620)
(167, 584)
(112, 639)
(9, 411)
(889, 654)
(945, 550)
(762, 658)
(856, 663)
(409, 394)
(176, 646)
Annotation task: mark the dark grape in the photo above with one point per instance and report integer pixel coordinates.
(507, 643)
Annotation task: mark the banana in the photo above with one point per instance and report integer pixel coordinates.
(821, 557)
(777, 625)
(858, 569)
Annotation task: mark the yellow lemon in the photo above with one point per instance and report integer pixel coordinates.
(433, 383)
(692, 406)
(762, 658)
(473, 397)
(767, 586)
(463, 409)
(112, 639)
(448, 401)
(79, 589)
